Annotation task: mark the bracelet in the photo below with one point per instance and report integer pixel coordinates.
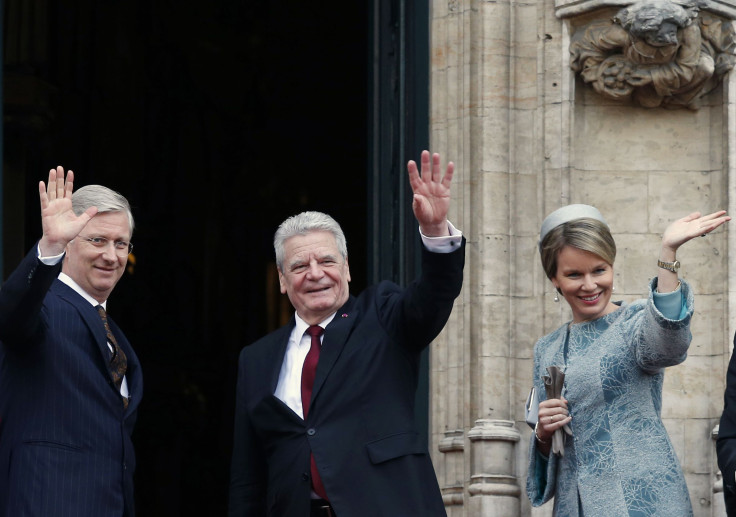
(679, 283)
(536, 435)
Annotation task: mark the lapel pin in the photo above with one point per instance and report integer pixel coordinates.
(344, 315)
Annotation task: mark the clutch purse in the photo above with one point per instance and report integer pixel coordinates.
(553, 384)
(531, 408)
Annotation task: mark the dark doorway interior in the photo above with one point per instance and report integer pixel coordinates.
(217, 120)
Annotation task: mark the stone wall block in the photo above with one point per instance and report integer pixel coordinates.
(702, 261)
(525, 142)
(495, 20)
(617, 137)
(525, 326)
(439, 60)
(688, 390)
(708, 328)
(523, 207)
(699, 454)
(495, 209)
(555, 135)
(494, 133)
(495, 248)
(621, 196)
(636, 262)
(493, 386)
(523, 263)
(674, 194)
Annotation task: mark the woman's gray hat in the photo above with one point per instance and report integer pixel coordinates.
(566, 214)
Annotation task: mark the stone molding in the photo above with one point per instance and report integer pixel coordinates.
(570, 8)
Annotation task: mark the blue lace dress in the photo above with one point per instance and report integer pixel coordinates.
(619, 461)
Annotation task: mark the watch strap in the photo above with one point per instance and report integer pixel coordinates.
(669, 266)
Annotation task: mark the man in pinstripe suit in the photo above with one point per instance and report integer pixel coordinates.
(70, 383)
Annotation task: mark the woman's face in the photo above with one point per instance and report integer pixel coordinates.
(586, 283)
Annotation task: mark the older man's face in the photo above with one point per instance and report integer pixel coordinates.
(314, 275)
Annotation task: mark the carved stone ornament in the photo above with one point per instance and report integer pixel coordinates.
(656, 53)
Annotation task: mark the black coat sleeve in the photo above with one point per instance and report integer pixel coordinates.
(21, 298)
(726, 444)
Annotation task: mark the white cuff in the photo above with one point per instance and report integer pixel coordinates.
(445, 244)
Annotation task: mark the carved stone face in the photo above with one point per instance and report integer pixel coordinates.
(654, 21)
(662, 36)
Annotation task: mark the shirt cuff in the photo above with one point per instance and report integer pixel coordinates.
(50, 261)
(445, 244)
(670, 304)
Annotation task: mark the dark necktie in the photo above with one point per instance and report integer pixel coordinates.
(118, 363)
(308, 373)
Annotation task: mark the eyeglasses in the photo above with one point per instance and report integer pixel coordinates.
(122, 248)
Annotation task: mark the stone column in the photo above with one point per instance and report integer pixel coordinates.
(494, 489)
(483, 105)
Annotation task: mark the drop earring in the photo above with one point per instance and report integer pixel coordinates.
(557, 298)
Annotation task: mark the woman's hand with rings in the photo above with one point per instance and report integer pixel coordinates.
(553, 414)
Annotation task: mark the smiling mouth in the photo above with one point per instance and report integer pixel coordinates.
(590, 299)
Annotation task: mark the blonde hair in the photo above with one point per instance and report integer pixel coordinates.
(586, 234)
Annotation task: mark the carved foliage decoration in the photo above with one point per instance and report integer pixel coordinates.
(656, 53)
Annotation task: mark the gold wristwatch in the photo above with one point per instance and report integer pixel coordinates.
(669, 266)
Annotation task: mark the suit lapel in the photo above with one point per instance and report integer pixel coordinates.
(335, 336)
(91, 319)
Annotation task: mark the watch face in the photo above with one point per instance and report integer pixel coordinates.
(676, 265)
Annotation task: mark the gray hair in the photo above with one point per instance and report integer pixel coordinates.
(105, 199)
(302, 224)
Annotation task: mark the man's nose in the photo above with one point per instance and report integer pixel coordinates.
(109, 252)
(315, 270)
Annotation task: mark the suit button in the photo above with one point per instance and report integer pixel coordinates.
(311, 432)
(305, 476)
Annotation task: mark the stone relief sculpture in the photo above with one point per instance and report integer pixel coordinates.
(655, 52)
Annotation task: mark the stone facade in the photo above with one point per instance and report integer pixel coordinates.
(529, 135)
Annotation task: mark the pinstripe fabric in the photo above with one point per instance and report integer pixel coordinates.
(65, 447)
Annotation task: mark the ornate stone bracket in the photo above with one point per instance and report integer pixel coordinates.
(654, 52)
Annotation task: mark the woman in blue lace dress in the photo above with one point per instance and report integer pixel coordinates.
(619, 460)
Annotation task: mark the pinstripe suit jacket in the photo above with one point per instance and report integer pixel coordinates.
(65, 446)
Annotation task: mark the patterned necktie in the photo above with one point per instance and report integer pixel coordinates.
(308, 373)
(118, 363)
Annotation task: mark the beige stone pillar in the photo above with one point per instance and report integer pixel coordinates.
(484, 96)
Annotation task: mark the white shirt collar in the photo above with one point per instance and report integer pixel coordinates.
(71, 283)
(302, 326)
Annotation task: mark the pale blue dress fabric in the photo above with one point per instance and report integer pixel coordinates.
(619, 460)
